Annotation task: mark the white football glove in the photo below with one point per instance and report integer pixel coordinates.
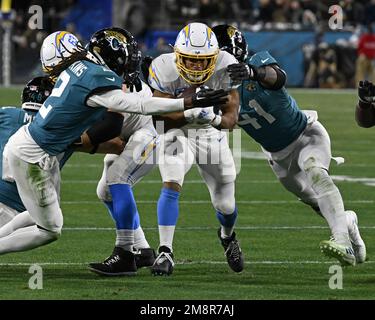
(192, 114)
(203, 116)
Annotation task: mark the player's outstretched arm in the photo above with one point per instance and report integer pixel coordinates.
(119, 101)
(365, 110)
(271, 77)
(114, 146)
(169, 120)
(99, 137)
(221, 117)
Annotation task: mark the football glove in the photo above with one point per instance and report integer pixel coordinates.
(209, 97)
(366, 92)
(145, 65)
(203, 116)
(134, 83)
(242, 71)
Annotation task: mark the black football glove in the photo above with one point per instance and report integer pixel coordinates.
(145, 65)
(137, 84)
(209, 97)
(241, 71)
(366, 92)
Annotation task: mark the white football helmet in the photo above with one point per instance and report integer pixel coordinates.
(197, 43)
(57, 47)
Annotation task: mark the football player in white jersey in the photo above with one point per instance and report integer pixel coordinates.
(86, 87)
(196, 61)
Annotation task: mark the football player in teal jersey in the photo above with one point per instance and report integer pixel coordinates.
(87, 84)
(12, 118)
(12, 211)
(294, 141)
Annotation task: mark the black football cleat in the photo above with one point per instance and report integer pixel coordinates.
(119, 263)
(163, 264)
(232, 252)
(144, 257)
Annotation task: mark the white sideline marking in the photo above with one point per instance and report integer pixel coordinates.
(12, 264)
(215, 228)
(253, 155)
(209, 202)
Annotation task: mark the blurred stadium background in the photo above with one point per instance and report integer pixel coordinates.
(295, 32)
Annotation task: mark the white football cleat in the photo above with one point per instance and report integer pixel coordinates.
(343, 253)
(358, 244)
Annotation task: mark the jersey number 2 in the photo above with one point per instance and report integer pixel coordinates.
(56, 92)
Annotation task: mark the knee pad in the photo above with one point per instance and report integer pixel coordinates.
(225, 206)
(49, 235)
(102, 191)
(319, 178)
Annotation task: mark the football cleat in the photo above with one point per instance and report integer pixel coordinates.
(233, 252)
(144, 257)
(356, 240)
(164, 263)
(119, 263)
(344, 254)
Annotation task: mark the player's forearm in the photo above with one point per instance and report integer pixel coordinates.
(170, 121)
(229, 115)
(119, 101)
(228, 121)
(365, 115)
(85, 145)
(272, 78)
(114, 146)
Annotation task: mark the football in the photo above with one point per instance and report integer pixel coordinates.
(187, 92)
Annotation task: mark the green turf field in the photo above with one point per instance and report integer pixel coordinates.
(278, 235)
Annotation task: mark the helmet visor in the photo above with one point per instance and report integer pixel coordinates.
(195, 68)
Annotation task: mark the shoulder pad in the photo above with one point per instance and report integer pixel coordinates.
(262, 58)
(163, 72)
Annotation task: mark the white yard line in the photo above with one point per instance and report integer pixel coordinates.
(269, 262)
(323, 91)
(209, 202)
(202, 228)
(160, 181)
(366, 181)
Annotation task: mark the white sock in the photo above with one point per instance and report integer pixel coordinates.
(226, 232)
(125, 239)
(140, 241)
(166, 234)
(330, 203)
(21, 220)
(25, 239)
